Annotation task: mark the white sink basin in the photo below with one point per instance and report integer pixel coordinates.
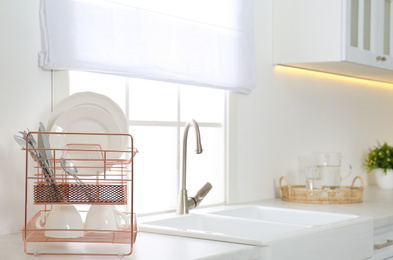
(215, 227)
(300, 217)
(278, 233)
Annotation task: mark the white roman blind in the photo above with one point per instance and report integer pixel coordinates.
(198, 42)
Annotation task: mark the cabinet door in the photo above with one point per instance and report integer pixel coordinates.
(386, 34)
(369, 32)
(362, 28)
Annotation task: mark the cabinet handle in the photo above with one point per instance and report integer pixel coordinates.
(381, 58)
(388, 243)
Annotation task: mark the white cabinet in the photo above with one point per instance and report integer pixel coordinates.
(346, 37)
(369, 32)
(383, 243)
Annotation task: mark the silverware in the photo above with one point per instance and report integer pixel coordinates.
(43, 143)
(32, 146)
(22, 142)
(31, 140)
(69, 168)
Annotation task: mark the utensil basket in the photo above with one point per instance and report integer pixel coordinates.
(104, 177)
(76, 194)
(336, 195)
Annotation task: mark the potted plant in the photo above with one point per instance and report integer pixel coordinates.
(380, 161)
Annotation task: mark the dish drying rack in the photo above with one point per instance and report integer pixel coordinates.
(105, 177)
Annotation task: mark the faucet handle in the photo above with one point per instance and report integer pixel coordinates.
(200, 195)
(204, 190)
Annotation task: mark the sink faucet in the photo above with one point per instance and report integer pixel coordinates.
(185, 203)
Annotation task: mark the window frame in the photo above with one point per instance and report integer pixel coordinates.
(61, 89)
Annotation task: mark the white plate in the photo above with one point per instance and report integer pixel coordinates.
(94, 99)
(88, 119)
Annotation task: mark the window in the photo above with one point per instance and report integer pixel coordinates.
(157, 112)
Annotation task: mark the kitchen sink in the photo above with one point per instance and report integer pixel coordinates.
(222, 228)
(253, 225)
(278, 233)
(301, 217)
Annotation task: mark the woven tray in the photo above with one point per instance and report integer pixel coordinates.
(78, 194)
(340, 194)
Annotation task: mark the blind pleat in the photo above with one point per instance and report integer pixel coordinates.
(112, 37)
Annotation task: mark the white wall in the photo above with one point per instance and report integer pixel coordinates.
(24, 100)
(292, 114)
(288, 115)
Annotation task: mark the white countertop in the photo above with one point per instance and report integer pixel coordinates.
(377, 204)
(147, 247)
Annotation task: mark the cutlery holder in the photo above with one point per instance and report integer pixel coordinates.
(103, 175)
(80, 194)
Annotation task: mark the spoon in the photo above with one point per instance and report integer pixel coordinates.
(48, 177)
(31, 139)
(22, 142)
(69, 168)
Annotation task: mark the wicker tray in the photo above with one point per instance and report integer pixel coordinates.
(340, 194)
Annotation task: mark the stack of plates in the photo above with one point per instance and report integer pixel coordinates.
(88, 112)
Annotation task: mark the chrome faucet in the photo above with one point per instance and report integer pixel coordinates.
(185, 203)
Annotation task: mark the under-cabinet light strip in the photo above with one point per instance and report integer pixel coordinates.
(335, 76)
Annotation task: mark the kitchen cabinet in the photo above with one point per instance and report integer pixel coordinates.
(345, 37)
(383, 243)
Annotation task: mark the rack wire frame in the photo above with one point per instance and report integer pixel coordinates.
(109, 181)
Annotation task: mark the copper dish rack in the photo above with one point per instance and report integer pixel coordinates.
(107, 179)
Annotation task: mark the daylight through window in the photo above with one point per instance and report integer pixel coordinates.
(157, 112)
